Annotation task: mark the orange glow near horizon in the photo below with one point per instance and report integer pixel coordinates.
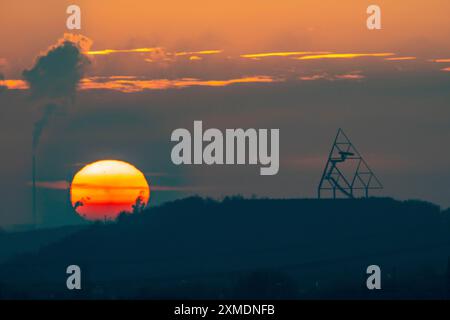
(104, 189)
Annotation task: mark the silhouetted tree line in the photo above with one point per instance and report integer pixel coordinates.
(248, 248)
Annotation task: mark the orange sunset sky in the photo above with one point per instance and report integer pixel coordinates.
(411, 29)
(306, 67)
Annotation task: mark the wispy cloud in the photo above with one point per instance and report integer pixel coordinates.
(111, 51)
(441, 60)
(314, 77)
(204, 52)
(344, 56)
(350, 76)
(130, 84)
(446, 69)
(159, 50)
(400, 58)
(281, 54)
(52, 185)
(14, 84)
(137, 85)
(355, 75)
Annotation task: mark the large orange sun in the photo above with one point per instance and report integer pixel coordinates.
(104, 189)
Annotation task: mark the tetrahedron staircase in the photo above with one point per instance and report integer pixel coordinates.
(346, 173)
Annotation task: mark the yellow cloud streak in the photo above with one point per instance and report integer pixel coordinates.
(129, 86)
(280, 54)
(441, 60)
(150, 50)
(204, 52)
(14, 84)
(110, 51)
(344, 56)
(400, 58)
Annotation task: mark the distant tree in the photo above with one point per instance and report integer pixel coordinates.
(122, 217)
(139, 205)
(237, 197)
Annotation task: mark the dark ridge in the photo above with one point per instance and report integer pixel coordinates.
(247, 248)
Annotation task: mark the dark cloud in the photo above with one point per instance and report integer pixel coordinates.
(2, 87)
(57, 73)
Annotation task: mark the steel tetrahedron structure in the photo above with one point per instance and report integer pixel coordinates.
(346, 173)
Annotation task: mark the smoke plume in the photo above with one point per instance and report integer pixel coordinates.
(57, 73)
(55, 77)
(42, 123)
(53, 81)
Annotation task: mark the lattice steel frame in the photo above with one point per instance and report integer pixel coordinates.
(337, 180)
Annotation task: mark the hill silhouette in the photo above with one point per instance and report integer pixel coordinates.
(246, 248)
(14, 243)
